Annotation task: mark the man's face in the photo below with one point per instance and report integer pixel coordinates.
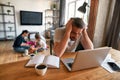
(75, 33)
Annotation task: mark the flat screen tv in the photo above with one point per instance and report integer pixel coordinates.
(30, 18)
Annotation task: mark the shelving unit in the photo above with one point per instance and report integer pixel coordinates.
(7, 22)
(51, 21)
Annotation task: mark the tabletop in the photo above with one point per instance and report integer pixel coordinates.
(17, 71)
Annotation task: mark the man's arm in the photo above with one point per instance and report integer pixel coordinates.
(85, 40)
(60, 47)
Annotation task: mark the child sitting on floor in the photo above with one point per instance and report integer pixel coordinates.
(39, 43)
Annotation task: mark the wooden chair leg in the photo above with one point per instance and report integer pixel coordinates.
(51, 45)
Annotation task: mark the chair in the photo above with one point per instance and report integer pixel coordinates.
(30, 33)
(51, 46)
(51, 41)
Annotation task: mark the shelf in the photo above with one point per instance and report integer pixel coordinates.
(51, 10)
(7, 31)
(51, 20)
(7, 23)
(51, 17)
(7, 14)
(6, 5)
(49, 24)
(48, 17)
(10, 31)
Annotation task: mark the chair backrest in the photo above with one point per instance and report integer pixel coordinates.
(32, 35)
(51, 41)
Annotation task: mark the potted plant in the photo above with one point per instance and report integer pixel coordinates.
(54, 6)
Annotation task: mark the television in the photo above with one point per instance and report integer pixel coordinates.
(30, 18)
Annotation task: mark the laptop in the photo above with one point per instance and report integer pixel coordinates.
(86, 59)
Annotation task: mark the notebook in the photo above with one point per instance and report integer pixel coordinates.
(51, 61)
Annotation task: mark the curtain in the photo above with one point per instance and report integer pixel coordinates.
(113, 37)
(62, 13)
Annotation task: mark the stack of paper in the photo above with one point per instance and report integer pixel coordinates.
(106, 66)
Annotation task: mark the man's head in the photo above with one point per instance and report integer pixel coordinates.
(77, 27)
(25, 33)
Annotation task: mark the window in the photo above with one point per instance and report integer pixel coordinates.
(72, 10)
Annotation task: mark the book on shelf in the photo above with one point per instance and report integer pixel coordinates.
(51, 61)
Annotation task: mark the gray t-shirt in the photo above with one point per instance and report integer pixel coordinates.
(59, 33)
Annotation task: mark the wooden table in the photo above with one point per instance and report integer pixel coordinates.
(17, 71)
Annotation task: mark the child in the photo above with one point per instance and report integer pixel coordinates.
(40, 44)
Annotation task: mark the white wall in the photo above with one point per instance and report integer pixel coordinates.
(29, 5)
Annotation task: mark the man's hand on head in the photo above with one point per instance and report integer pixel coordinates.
(69, 26)
(84, 30)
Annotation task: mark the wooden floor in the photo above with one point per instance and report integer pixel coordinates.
(7, 54)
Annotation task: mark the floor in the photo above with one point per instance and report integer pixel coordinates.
(7, 54)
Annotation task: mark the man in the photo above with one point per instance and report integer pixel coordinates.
(66, 39)
(20, 43)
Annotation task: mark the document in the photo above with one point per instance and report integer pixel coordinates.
(105, 64)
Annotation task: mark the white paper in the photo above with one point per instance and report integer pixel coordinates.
(37, 59)
(106, 66)
(52, 61)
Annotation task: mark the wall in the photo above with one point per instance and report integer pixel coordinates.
(104, 16)
(29, 5)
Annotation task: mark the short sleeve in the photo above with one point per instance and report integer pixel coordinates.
(43, 44)
(59, 33)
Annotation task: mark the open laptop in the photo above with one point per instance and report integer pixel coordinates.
(86, 59)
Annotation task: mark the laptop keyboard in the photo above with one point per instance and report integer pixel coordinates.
(70, 64)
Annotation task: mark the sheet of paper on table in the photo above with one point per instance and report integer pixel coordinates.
(106, 66)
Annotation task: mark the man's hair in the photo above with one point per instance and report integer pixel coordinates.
(25, 31)
(78, 22)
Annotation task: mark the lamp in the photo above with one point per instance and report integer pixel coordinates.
(83, 7)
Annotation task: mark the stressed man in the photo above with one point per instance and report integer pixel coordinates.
(68, 38)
